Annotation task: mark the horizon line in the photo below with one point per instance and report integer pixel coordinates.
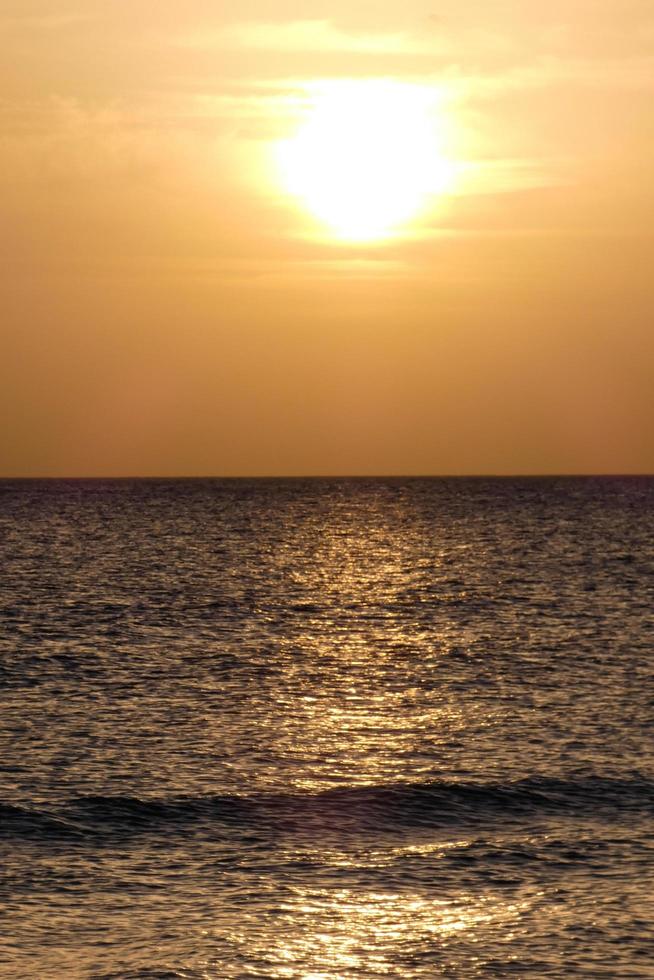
(338, 476)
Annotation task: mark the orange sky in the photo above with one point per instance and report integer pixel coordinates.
(170, 307)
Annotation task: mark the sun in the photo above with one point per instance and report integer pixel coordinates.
(367, 157)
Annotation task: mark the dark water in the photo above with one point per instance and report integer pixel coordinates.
(327, 729)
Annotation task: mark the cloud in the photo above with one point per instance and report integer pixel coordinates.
(617, 74)
(44, 22)
(308, 36)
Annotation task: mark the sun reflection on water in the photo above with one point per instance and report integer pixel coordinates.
(331, 934)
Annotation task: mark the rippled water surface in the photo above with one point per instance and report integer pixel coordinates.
(322, 729)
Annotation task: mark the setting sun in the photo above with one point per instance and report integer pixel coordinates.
(367, 157)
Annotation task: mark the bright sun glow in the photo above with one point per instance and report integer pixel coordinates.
(368, 156)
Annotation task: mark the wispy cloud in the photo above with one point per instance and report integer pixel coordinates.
(44, 22)
(308, 36)
(615, 73)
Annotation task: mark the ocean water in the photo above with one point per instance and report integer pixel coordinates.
(326, 729)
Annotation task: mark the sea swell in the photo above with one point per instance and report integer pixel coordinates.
(355, 808)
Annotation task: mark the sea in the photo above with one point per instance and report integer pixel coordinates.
(313, 729)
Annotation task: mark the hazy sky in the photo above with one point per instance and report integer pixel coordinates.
(170, 305)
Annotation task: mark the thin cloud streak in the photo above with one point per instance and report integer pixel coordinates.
(305, 36)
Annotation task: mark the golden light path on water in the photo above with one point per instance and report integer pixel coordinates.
(331, 934)
(366, 727)
(367, 155)
(349, 716)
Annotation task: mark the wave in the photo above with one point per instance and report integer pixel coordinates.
(28, 821)
(386, 807)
